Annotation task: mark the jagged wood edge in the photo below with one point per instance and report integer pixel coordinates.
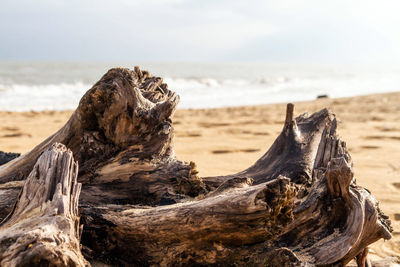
(44, 228)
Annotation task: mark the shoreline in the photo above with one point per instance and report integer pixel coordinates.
(229, 139)
(317, 97)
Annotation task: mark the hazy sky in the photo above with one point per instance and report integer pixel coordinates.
(301, 31)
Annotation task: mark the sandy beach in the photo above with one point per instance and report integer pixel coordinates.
(226, 140)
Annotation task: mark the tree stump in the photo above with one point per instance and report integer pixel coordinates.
(298, 204)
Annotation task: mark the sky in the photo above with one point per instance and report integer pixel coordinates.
(286, 31)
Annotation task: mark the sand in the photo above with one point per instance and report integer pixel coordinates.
(227, 140)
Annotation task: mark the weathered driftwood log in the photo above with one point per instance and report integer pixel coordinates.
(43, 228)
(298, 204)
(121, 136)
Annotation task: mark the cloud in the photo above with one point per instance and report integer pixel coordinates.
(192, 30)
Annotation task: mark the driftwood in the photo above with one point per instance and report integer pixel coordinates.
(43, 228)
(297, 205)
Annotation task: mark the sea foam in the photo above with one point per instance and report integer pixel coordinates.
(60, 86)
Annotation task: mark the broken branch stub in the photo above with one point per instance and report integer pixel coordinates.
(43, 229)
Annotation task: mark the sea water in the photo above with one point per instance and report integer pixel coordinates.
(40, 86)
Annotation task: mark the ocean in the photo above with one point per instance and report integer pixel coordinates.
(38, 86)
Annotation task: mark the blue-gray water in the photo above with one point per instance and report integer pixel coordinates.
(58, 86)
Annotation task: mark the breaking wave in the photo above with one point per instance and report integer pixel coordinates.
(218, 87)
